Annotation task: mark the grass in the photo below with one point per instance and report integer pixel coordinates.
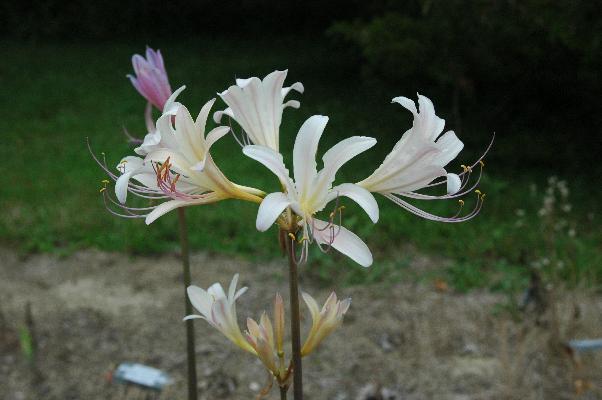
(56, 95)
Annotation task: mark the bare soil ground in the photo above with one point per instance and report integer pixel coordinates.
(94, 310)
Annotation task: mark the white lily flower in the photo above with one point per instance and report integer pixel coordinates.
(257, 106)
(418, 160)
(324, 321)
(262, 339)
(177, 166)
(311, 190)
(220, 310)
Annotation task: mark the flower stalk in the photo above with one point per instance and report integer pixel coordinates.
(295, 319)
(191, 356)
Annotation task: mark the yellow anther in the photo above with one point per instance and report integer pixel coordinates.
(482, 196)
(478, 192)
(464, 167)
(292, 236)
(123, 161)
(102, 189)
(461, 202)
(105, 181)
(482, 163)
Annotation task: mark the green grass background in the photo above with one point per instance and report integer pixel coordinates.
(54, 96)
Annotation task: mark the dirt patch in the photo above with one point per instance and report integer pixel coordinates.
(94, 310)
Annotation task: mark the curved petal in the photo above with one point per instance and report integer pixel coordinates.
(358, 194)
(339, 154)
(200, 299)
(171, 103)
(450, 147)
(272, 160)
(212, 137)
(298, 86)
(292, 104)
(187, 135)
(304, 152)
(128, 167)
(429, 123)
(344, 241)
(232, 288)
(217, 116)
(201, 119)
(269, 210)
(170, 205)
(406, 103)
(121, 187)
(453, 183)
(148, 117)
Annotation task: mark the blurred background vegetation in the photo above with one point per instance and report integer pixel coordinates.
(526, 70)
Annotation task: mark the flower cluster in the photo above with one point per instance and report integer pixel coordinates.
(264, 339)
(174, 162)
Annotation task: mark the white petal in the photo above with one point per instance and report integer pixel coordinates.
(187, 135)
(199, 299)
(214, 135)
(128, 166)
(217, 116)
(148, 117)
(358, 194)
(121, 187)
(269, 210)
(298, 86)
(201, 119)
(292, 103)
(232, 288)
(450, 147)
(272, 160)
(168, 108)
(453, 183)
(304, 152)
(430, 123)
(241, 83)
(170, 205)
(341, 153)
(345, 241)
(189, 317)
(406, 103)
(217, 291)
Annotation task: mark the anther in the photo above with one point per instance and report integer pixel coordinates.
(102, 189)
(482, 163)
(105, 181)
(478, 192)
(461, 202)
(464, 167)
(292, 236)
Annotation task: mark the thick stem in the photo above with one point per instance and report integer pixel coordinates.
(295, 321)
(192, 381)
(283, 391)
